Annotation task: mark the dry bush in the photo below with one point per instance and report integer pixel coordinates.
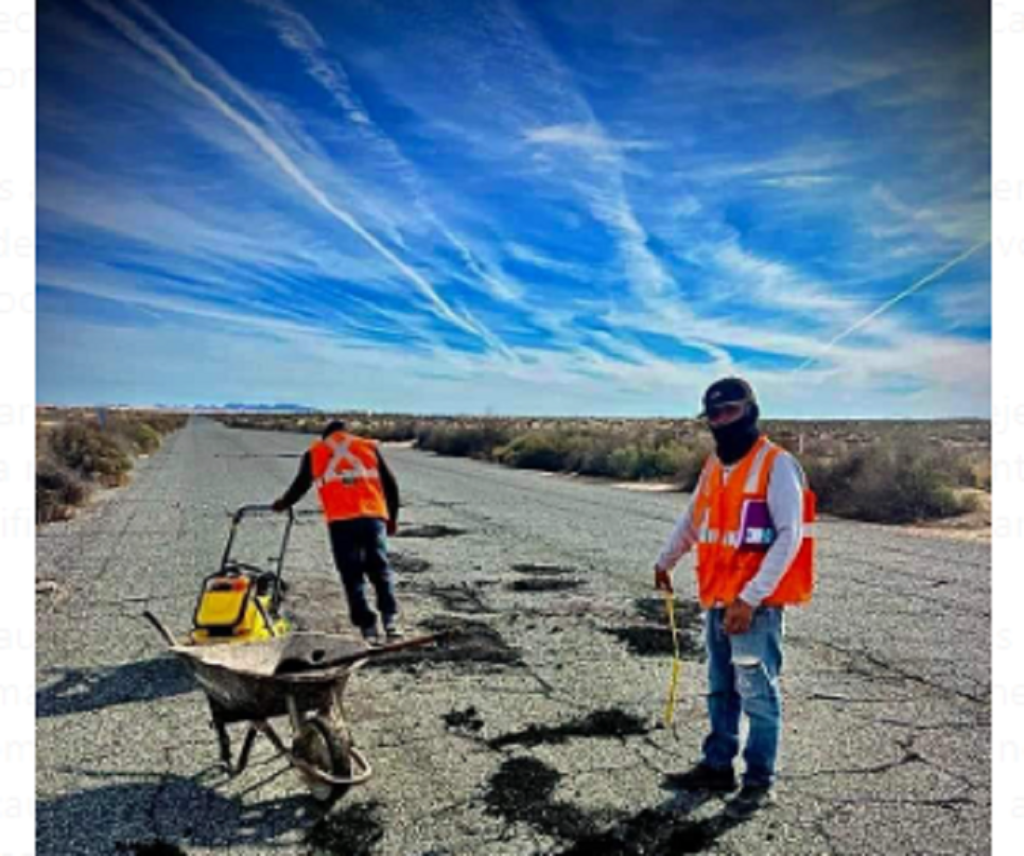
(58, 491)
(473, 441)
(887, 482)
(91, 452)
(76, 453)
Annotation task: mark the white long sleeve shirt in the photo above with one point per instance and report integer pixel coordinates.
(785, 504)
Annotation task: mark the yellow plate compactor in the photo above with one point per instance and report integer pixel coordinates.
(242, 602)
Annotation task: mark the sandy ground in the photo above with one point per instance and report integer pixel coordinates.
(539, 734)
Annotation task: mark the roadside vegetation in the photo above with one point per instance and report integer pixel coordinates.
(883, 471)
(75, 454)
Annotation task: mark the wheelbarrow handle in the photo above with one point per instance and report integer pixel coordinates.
(161, 628)
(296, 665)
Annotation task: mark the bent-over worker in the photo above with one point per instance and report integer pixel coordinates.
(359, 498)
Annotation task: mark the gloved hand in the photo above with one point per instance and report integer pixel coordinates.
(663, 580)
(278, 505)
(392, 526)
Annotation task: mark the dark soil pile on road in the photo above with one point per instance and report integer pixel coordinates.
(688, 612)
(522, 791)
(464, 598)
(543, 570)
(403, 564)
(354, 831)
(464, 720)
(429, 530)
(612, 722)
(653, 832)
(649, 640)
(465, 644)
(544, 584)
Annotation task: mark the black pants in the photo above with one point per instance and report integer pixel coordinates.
(360, 549)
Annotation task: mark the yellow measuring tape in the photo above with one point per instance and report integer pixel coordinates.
(673, 684)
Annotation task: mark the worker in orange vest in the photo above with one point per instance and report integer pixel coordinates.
(359, 498)
(750, 519)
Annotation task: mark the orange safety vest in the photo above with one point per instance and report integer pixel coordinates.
(731, 545)
(346, 476)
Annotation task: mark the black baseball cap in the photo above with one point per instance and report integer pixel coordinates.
(728, 390)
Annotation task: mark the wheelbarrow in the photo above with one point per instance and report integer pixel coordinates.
(302, 676)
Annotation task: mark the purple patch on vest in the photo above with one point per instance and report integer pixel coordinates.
(756, 526)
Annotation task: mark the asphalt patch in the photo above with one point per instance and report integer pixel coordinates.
(464, 720)
(403, 564)
(465, 644)
(650, 640)
(464, 598)
(608, 723)
(429, 530)
(688, 612)
(354, 831)
(149, 848)
(544, 584)
(543, 570)
(522, 791)
(654, 832)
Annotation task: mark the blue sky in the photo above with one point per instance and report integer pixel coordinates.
(547, 208)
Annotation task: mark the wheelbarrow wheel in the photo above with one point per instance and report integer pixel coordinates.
(320, 745)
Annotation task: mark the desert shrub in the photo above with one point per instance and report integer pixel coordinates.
(476, 441)
(537, 450)
(140, 436)
(58, 491)
(887, 483)
(90, 452)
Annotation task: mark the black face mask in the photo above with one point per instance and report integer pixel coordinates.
(734, 440)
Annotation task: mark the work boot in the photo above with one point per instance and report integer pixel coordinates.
(705, 778)
(750, 799)
(371, 636)
(393, 631)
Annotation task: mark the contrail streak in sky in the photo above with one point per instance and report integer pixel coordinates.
(892, 301)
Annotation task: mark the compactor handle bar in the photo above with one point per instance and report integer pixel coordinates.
(236, 519)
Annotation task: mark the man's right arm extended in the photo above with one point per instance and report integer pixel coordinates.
(302, 483)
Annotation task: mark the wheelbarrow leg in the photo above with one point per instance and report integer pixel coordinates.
(250, 738)
(223, 739)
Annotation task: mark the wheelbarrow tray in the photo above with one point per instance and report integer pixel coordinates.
(240, 678)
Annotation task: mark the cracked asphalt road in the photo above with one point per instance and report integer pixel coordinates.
(541, 736)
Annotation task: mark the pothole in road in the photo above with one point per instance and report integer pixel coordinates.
(522, 791)
(648, 640)
(354, 831)
(608, 723)
(149, 848)
(429, 530)
(465, 644)
(544, 584)
(543, 570)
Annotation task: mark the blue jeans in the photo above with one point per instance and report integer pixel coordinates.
(360, 549)
(743, 677)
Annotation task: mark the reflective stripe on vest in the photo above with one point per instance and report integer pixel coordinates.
(347, 479)
(357, 469)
